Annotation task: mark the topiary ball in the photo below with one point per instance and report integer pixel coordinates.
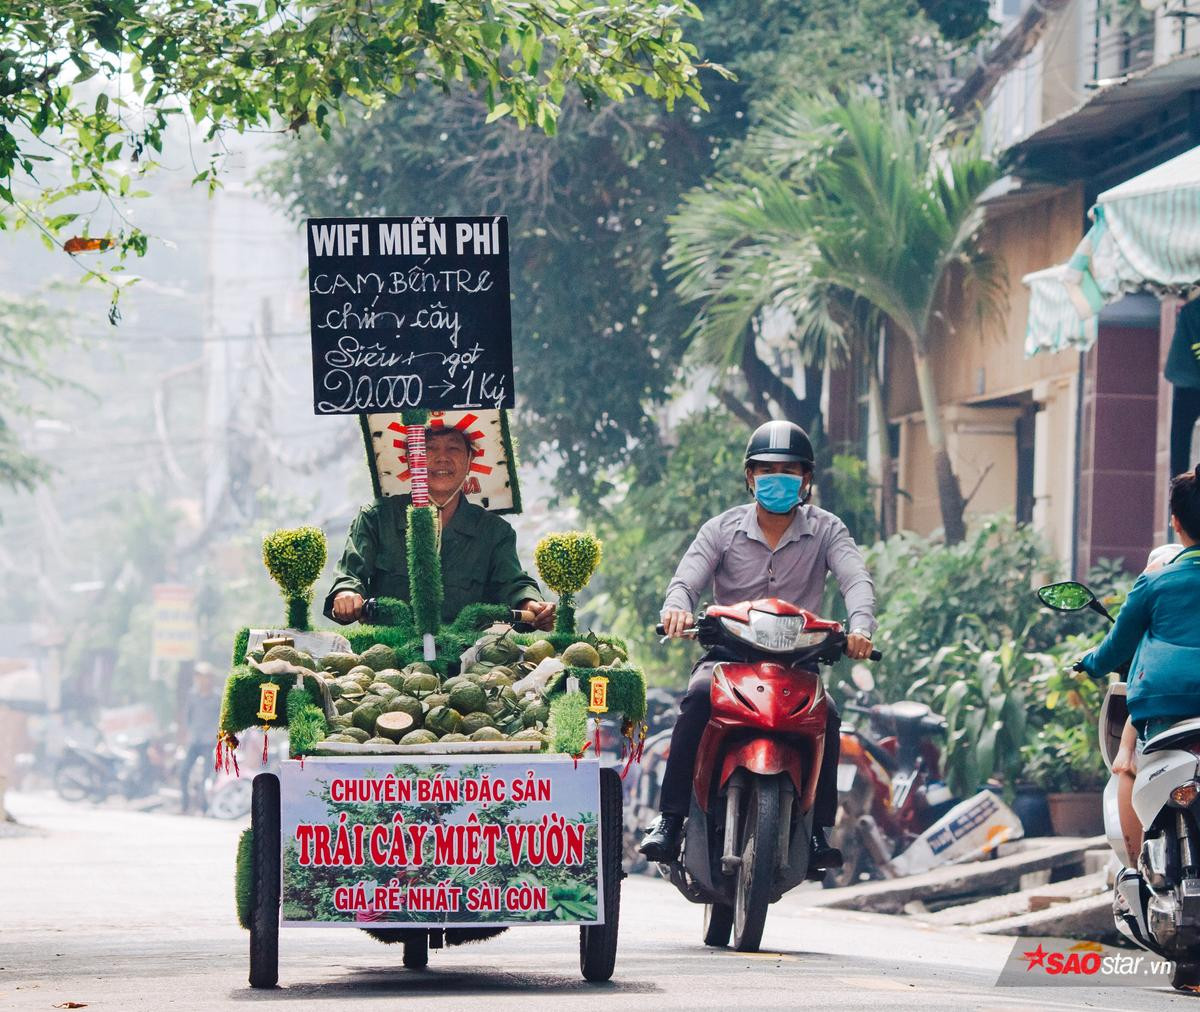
(295, 558)
(566, 561)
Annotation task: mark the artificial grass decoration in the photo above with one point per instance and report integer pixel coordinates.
(295, 558)
(394, 612)
(243, 877)
(240, 642)
(474, 618)
(239, 709)
(306, 722)
(424, 569)
(568, 723)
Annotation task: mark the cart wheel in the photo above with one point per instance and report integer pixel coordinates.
(264, 903)
(718, 922)
(598, 944)
(416, 951)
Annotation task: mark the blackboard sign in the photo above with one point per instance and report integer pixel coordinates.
(409, 313)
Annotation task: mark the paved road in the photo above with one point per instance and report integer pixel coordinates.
(129, 911)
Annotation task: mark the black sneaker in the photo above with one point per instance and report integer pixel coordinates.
(662, 839)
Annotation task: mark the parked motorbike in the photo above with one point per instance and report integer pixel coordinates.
(1156, 896)
(748, 833)
(93, 772)
(890, 787)
(226, 793)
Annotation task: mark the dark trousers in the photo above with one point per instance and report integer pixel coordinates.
(197, 750)
(694, 711)
(1185, 410)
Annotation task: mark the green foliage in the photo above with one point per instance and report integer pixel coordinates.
(30, 331)
(243, 882)
(961, 629)
(299, 63)
(649, 525)
(295, 558)
(958, 19)
(588, 208)
(424, 568)
(568, 723)
(306, 722)
(931, 596)
(845, 489)
(984, 696)
(1064, 760)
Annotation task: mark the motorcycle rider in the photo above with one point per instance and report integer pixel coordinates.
(777, 546)
(1157, 628)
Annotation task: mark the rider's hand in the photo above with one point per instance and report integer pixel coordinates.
(675, 622)
(1125, 761)
(858, 646)
(542, 611)
(347, 607)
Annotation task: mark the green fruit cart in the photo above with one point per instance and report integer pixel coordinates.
(442, 786)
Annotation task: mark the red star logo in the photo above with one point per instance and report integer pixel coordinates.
(1036, 958)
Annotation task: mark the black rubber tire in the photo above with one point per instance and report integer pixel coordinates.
(1186, 976)
(758, 850)
(718, 923)
(75, 780)
(598, 944)
(416, 951)
(264, 903)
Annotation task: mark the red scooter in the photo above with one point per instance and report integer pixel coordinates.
(890, 787)
(748, 832)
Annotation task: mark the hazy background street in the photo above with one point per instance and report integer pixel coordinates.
(126, 911)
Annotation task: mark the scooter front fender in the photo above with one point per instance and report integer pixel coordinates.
(768, 757)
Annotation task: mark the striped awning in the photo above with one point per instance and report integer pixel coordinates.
(1145, 235)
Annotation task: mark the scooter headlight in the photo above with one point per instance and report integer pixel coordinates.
(781, 634)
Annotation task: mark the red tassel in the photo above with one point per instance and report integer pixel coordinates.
(217, 755)
(265, 753)
(579, 755)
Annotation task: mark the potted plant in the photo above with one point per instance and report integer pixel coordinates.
(1065, 762)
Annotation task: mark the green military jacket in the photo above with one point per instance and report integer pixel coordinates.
(479, 558)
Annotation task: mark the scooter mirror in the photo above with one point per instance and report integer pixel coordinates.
(1067, 596)
(861, 676)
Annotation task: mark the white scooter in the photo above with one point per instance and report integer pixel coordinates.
(1156, 897)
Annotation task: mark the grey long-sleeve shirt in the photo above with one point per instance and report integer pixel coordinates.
(731, 554)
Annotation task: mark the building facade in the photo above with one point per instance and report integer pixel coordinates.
(1078, 443)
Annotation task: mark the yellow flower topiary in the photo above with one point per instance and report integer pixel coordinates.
(566, 562)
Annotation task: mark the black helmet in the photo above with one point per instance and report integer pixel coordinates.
(779, 441)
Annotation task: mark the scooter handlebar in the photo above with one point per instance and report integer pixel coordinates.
(659, 630)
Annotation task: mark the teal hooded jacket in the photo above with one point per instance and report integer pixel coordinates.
(1159, 628)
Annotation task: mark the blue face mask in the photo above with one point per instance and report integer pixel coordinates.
(778, 493)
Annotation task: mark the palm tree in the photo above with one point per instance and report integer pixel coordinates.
(859, 212)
